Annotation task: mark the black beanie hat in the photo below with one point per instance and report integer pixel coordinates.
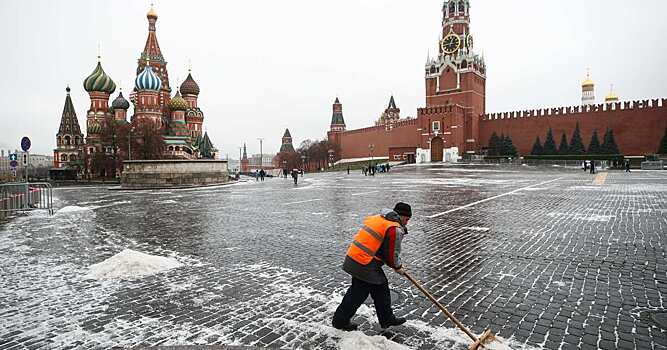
(403, 209)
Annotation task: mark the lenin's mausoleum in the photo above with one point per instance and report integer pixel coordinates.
(455, 123)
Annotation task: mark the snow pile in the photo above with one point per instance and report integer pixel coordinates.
(71, 209)
(131, 264)
(358, 340)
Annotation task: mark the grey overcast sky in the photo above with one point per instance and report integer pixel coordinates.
(265, 65)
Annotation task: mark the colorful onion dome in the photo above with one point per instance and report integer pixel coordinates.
(94, 128)
(147, 80)
(98, 80)
(120, 102)
(178, 103)
(189, 86)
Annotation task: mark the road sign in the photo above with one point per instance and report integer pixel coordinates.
(13, 157)
(13, 164)
(25, 159)
(25, 144)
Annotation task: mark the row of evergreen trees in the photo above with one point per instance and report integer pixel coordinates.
(576, 145)
(663, 144)
(501, 146)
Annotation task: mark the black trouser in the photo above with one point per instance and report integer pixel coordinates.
(357, 294)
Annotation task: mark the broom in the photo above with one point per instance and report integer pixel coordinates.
(485, 338)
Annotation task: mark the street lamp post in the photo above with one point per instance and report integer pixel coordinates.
(371, 147)
(331, 158)
(129, 144)
(240, 148)
(303, 164)
(261, 155)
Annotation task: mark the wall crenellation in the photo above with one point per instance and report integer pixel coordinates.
(440, 109)
(556, 111)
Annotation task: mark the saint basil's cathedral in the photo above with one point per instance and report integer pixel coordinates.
(179, 119)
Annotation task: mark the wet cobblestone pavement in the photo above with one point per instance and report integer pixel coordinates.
(544, 257)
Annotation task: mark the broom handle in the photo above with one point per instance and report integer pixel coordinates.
(442, 308)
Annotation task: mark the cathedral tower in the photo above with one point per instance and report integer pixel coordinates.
(148, 87)
(69, 139)
(588, 91)
(194, 117)
(152, 55)
(99, 87)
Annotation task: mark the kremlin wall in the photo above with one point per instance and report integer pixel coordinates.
(454, 120)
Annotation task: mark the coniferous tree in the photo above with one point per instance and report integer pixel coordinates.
(594, 146)
(537, 147)
(502, 145)
(510, 149)
(493, 144)
(609, 144)
(663, 144)
(563, 149)
(576, 144)
(549, 144)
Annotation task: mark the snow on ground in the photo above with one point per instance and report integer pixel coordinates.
(583, 217)
(131, 264)
(71, 209)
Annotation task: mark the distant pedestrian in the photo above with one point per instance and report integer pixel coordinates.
(295, 175)
(627, 166)
(363, 170)
(256, 175)
(348, 170)
(585, 166)
(592, 167)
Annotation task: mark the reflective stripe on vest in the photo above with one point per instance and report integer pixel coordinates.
(369, 239)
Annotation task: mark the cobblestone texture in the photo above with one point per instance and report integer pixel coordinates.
(565, 264)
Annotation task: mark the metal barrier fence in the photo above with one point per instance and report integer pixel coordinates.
(17, 197)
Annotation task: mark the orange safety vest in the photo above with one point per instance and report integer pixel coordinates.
(369, 239)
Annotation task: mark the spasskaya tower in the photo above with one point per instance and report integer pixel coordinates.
(456, 78)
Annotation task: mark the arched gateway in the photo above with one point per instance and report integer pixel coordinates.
(437, 147)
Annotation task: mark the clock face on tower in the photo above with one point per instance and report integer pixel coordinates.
(450, 44)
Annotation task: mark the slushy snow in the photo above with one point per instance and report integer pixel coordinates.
(131, 264)
(359, 341)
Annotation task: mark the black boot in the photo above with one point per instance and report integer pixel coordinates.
(349, 327)
(396, 321)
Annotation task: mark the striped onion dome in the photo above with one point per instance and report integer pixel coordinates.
(98, 80)
(94, 128)
(147, 80)
(178, 103)
(120, 102)
(190, 86)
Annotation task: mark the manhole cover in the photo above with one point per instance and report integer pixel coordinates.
(660, 318)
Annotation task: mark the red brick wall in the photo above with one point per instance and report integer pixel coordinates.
(638, 125)
(354, 143)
